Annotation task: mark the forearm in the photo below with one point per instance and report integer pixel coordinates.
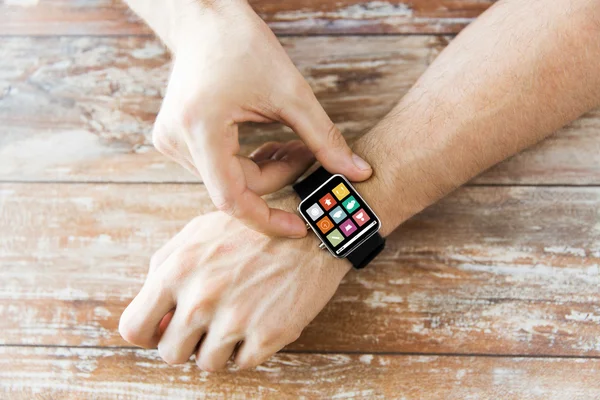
(173, 19)
(514, 76)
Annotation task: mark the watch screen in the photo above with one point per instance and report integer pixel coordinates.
(339, 216)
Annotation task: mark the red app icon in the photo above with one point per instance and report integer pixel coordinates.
(327, 202)
(325, 224)
(361, 217)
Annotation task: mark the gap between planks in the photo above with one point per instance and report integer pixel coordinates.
(279, 35)
(468, 184)
(333, 353)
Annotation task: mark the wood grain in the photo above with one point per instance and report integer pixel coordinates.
(81, 109)
(112, 17)
(73, 373)
(489, 270)
(489, 274)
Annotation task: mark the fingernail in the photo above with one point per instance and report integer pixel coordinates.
(299, 234)
(360, 163)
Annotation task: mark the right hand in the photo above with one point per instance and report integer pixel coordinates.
(235, 293)
(230, 68)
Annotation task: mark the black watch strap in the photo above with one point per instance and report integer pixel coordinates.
(370, 248)
(367, 251)
(312, 182)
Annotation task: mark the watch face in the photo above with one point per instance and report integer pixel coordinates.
(339, 216)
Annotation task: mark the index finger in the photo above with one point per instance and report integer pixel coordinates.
(215, 155)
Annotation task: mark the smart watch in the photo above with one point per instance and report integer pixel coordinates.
(340, 217)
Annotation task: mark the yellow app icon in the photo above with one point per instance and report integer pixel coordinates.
(340, 191)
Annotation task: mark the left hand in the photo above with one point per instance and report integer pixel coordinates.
(229, 69)
(232, 290)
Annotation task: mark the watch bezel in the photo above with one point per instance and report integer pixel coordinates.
(318, 235)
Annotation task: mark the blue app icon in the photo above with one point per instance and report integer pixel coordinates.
(338, 214)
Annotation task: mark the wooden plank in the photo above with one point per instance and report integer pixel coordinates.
(70, 373)
(494, 270)
(92, 102)
(112, 17)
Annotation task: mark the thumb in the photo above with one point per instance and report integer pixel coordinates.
(310, 121)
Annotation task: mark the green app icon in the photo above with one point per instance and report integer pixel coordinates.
(335, 237)
(351, 204)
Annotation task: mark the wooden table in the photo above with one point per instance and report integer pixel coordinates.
(491, 294)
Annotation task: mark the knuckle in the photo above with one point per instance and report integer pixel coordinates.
(251, 357)
(233, 325)
(181, 262)
(214, 252)
(227, 206)
(180, 114)
(245, 363)
(293, 337)
(276, 338)
(267, 338)
(129, 330)
(225, 200)
(161, 134)
(185, 115)
(231, 204)
(163, 283)
(207, 363)
(198, 314)
(170, 354)
(266, 145)
(302, 91)
(156, 259)
(191, 112)
(333, 141)
(247, 359)
(263, 346)
(160, 143)
(171, 130)
(334, 137)
(183, 256)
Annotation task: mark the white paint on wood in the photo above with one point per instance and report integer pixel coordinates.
(363, 11)
(60, 124)
(583, 317)
(565, 250)
(21, 3)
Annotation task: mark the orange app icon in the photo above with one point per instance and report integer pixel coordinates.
(325, 225)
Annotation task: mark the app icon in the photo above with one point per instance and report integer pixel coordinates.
(338, 214)
(340, 191)
(315, 211)
(325, 224)
(335, 238)
(327, 202)
(348, 227)
(361, 217)
(351, 204)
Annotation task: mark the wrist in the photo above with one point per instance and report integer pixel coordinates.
(198, 19)
(287, 200)
(393, 198)
(400, 186)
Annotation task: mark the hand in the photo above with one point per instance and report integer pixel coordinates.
(229, 68)
(233, 291)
